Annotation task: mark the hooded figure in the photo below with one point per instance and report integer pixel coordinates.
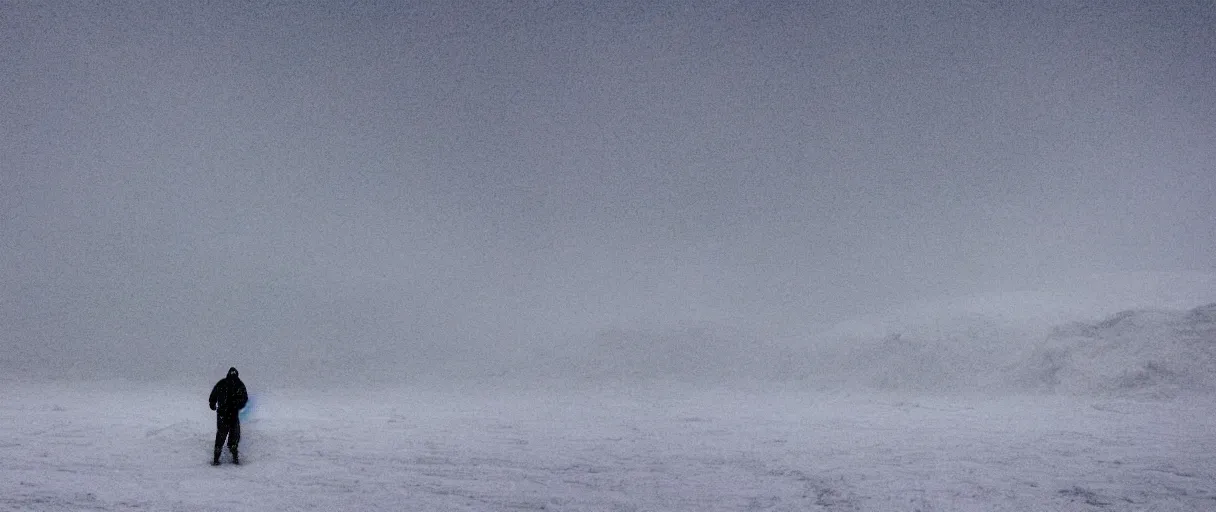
(228, 397)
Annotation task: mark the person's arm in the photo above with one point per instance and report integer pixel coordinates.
(242, 396)
(215, 391)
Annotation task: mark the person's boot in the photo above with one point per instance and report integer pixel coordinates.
(215, 461)
(236, 459)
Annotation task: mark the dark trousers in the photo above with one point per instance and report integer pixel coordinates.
(227, 425)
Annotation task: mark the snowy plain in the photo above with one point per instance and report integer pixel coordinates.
(660, 447)
(949, 412)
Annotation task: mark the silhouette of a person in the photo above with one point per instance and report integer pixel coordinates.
(228, 397)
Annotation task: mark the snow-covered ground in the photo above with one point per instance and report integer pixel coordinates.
(951, 412)
(115, 446)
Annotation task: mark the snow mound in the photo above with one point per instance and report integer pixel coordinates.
(1149, 353)
(1160, 353)
(1030, 340)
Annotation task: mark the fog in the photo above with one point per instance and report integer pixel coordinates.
(394, 190)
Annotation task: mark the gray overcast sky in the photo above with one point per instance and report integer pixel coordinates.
(184, 181)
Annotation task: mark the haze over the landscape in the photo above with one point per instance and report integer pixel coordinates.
(587, 256)
(399, 188)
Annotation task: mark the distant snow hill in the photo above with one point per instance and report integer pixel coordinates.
(1032, 341)
(1150, 353)
(1140, 352)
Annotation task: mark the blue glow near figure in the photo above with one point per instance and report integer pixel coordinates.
(248, 410)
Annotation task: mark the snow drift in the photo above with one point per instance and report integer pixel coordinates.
(1011, 343)
(1143, 352)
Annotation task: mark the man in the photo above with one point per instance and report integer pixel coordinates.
(228, 397)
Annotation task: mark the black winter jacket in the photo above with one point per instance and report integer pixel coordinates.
(228, 395)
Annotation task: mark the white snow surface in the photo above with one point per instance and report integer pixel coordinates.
(967, 413)
(654, 447)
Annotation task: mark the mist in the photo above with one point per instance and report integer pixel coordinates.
(392, 190)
